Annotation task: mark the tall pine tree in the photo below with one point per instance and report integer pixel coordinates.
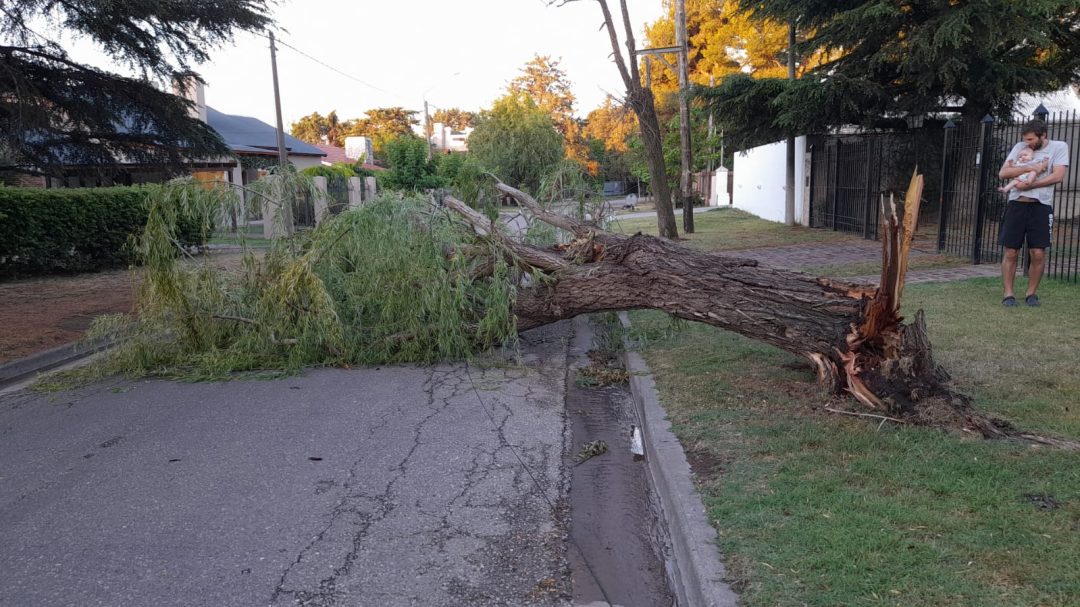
(55, 111)
(889, 58)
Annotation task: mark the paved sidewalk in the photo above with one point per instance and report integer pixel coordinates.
(797, 257)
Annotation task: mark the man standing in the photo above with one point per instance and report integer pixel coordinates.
(1029, 214)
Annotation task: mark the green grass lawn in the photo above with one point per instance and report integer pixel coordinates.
(819, 509)
(727, 229)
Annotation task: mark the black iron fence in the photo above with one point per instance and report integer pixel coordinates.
(972, 208)
(850, 173)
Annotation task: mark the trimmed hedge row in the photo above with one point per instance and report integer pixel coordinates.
(47, 231)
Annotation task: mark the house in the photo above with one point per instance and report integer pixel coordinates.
(345, 155)
(446, 139)
(252, 142)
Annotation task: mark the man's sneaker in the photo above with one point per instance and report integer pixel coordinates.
(1032, 300)
(1009, 302)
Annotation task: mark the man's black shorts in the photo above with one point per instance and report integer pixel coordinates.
(1031, 220)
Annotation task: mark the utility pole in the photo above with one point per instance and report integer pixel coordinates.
(283, 157)
(789, 190)
(685, 190)
(427, 130)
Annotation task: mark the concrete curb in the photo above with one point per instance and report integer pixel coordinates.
(697, 575)
(24, 368)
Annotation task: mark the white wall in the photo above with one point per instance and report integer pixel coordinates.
(760, 177)
(304, 162)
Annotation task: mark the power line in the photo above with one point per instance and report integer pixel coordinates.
(331, 68)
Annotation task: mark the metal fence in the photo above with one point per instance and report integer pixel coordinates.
(972, 209)
(850, 173)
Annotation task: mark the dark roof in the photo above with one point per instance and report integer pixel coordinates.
(244, 134)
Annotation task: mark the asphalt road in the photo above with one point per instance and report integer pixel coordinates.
(381, 487)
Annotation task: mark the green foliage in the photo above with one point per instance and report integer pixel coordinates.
(455, 118)
(469, 182)
(45, 124)
(887, 59)
(79, 230)
(371, 285)
(516, 141)
(410, 168)
(382, 125)
(318, 129)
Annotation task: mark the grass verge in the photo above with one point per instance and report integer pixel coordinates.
(727, 229)
(817, 509)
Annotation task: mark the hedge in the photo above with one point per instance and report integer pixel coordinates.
(48, 231)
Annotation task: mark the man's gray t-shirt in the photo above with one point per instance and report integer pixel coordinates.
(1057, 152)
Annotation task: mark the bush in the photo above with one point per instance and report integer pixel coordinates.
(74, 230)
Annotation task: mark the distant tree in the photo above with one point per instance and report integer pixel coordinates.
(640, 99)
(608, 131)
(517, 141)
(318, 129)
(409, 167)
(383, 124)
(55, 111)
(547, 84)
(455, 118)
(724, 38)
(906, 57)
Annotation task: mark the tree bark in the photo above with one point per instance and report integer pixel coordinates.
(640, 100)
(852, 335)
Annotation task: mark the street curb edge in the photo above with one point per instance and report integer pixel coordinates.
(698, 571)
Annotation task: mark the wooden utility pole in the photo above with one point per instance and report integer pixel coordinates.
(685, 187)
(789, 189)
(427, 130)
(283, 157)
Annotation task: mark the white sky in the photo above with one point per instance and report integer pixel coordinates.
(408, 50)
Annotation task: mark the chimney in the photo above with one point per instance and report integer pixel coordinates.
(191, 87)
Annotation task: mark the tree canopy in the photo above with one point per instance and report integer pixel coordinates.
(723, 39)
(455, 118)
(410, 168)
(547, 84)
(318, 129)
(517, 141)
(889, 59)
(383, 124)
(55, 111)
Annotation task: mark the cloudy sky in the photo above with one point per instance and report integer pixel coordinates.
(459, 53)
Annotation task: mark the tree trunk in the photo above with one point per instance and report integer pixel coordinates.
(852, 335)
(640, 100)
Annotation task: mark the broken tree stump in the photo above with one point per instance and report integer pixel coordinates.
(853, 335)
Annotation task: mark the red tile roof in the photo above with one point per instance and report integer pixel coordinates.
(335, 155)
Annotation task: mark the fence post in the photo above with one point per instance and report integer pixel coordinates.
(356, 192)
(834, 176)
(369, 188)
(943, 200)
(982, 191)
(867, 203)
(320, 202)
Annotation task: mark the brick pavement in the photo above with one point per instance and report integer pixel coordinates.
(797, 257)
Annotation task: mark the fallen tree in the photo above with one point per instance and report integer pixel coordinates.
(853, 335)
(400, 281)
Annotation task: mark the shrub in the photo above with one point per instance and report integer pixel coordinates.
(75, 230)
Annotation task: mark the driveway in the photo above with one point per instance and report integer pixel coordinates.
(395, 486)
